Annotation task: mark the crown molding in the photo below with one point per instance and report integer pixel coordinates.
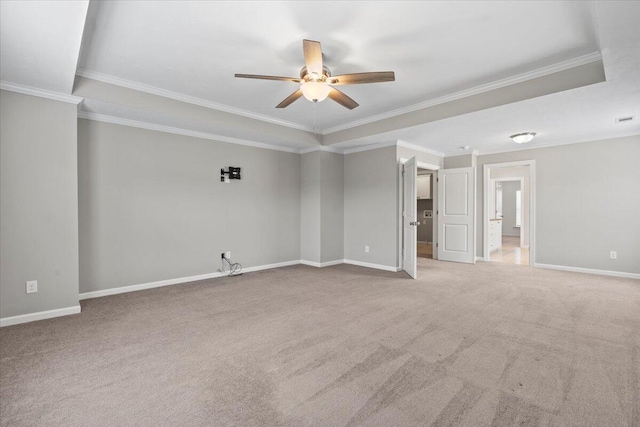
(540, 72)
(370, 147)
(180, 131)
(321, 148)
(463, 153)
(419, 148)
(41, 93)
(106, 78)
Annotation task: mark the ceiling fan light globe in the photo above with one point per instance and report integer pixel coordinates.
(315, 91)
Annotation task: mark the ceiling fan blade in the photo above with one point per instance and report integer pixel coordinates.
(312, 56)
(257, 76)
(290, 99)
(342, 99)
(358, 78)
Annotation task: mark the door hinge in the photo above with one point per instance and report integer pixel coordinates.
(437, 179)
(436, 245)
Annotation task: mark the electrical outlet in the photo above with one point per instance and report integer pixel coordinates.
(613, 255)
(226, 255)
(366, 249)
(32, 286)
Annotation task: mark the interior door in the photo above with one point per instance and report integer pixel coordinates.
(457, 215)
(410, 220)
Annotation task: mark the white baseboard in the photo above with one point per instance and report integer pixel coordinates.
(40, 315)
(589, 271)
(322, 264)
(269, 266)
(177, 281)
(479, 258)
(370, 265)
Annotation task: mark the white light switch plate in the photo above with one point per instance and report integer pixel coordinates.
(613, 255)
(32, 286)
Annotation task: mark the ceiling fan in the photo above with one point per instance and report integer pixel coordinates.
(316, 81)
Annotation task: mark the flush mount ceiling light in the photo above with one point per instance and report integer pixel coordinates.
(522, 138)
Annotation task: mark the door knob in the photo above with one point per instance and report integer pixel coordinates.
(414, 223)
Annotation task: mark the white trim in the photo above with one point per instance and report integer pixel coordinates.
(532, 206)
(322, 264)
(370, 265)
(392, 144)
(479, 258)
(269, 266)
(177, 281)
(40, 315)
(462, 153)
(105, 78)
(540, 72)
(42, 93)
(370, 147)
(422, 165)
(179, 131)
(321, 148)
(419, 148)
(589, 271)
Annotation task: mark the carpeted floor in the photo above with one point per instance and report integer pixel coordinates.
(464, 345)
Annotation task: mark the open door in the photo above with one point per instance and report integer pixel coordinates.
(409, 218)
(457, 215)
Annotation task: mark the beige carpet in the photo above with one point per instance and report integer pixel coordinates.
(464, 345)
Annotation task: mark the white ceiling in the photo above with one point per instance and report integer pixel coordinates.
(189, 50)
(40, 42)
(435, 48)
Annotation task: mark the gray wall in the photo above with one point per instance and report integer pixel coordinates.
(587, 203)
(38, 204)
(370, 206)
(332, 207)
(462, 161)
(152, 206)
(509, 189)
(310, 206)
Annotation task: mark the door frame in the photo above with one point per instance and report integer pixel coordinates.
(486, 255)
(421, 165)
(492, 182)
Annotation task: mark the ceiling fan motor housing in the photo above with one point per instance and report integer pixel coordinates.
(304, 74)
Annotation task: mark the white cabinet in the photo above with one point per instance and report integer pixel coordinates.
(424, 186)
(495, 234)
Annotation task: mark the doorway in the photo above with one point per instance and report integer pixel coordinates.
(425, 212)
(409, 215)
(509, 215)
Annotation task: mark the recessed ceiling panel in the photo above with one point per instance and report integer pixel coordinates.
(40, 42)
(435, 48)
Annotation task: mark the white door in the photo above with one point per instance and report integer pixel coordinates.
(409, 220)
(457, 215)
